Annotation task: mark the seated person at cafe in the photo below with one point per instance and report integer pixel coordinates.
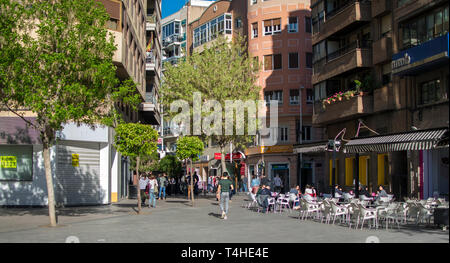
(338, 190)
(262, 197)
(380, 193)
(363, 190)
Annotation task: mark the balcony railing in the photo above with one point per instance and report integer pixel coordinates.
(331, 22)
(318, 64)
(342, 110)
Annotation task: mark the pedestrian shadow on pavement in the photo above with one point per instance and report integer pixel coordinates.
(215, 215)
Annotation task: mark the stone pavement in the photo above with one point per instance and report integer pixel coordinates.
(174, 220)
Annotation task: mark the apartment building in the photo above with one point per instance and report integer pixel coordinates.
(87, 169)
(379, 77)
(150, 108)
(280, 38)
(174, 44)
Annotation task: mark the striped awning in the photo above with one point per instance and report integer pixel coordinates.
(310, 148)
(408, 141)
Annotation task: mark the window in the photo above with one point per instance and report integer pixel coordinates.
(293, 25)
(273, 95)
(16, 162)
(309, 57)
(424, 28)
(210, 30)
(430, 91)
(320, 91)
(283, 134)
(293, 96)
(272, 27)
(112, 24)
(308, 24)
(238, 22)
(293, 60)
(309, 96)
(254, 30)
(272, 62)
(254, 2)
(306, 133)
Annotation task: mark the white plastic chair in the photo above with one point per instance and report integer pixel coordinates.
(306, 208)
(389, 213)
(366, 214)
(338, 211)
(253, 202)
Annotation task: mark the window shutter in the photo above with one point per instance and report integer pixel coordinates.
(268, 62)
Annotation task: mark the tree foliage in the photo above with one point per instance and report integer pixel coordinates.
(56, 61)
(221, 72)
(189, 147)
(170, 165)
(135, 139)
(60, 64)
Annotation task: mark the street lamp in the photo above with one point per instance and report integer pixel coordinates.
(300, 157)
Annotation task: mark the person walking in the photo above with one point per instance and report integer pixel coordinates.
(254, 184)
(277, 182)
(153, 190)
(143, 182)
(223, 194)
(163, 183)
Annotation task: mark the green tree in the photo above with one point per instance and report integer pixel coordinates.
(189, 148)
(56, 61)
(170, 165)
(136, 140)
(222, 72)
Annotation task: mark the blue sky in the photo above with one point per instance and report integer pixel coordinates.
(169, 7)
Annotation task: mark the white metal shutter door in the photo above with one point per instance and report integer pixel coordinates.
(78, 185)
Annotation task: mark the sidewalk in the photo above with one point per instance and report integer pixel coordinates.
(175, 220)
(15, 219)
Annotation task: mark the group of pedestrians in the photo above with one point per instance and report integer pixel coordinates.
(153, 187)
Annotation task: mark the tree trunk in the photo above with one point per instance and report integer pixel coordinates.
(192, 182)
(138, 186)
(222, 160)
(50, 189)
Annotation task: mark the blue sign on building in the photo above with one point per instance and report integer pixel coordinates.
(425, 56)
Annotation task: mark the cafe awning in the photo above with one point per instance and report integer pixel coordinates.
(311, 147)
(407, 141)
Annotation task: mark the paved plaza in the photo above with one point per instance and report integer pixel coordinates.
(174, 220)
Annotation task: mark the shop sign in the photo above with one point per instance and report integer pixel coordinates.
(8, 162)
(75, 160)
(270, 149)
(236, 156)
(403, 61)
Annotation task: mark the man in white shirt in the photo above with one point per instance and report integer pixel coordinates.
(143, 182)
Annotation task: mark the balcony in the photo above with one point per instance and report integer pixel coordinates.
(148, 110)
(381, 7)
(151, 22)
(355, 55)
(353, 13)
(173, 39)
(342, 110)
(150, 63)
(382, 50)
